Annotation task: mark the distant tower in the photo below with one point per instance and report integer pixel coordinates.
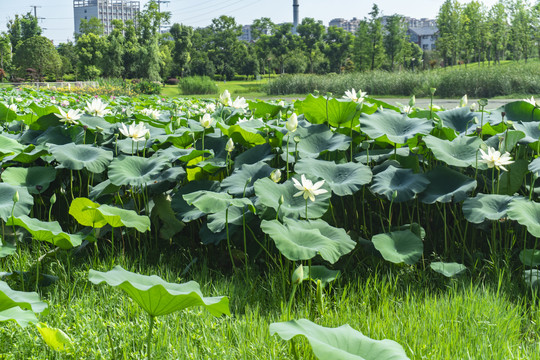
(295, 15)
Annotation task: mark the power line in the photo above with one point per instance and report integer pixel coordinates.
(204, 17)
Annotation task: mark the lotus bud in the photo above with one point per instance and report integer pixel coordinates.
(292, 123)
(147, 135)
(412, 101)
(296, 139)
(16, 197)
(230, 145)
(319, 296)
(483, 102)
(510, 123)
(316, 92)
(52, 200)
(432, 91)
(281, 200)
(464, 101)
(473, 107)
(276, 175)
(394, 195)
(298, 275)
(329, 94)
(206, 121)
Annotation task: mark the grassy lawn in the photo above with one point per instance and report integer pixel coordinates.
(485, 314)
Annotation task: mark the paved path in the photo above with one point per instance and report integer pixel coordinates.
(448, 103)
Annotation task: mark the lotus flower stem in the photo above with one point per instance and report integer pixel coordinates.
(228, 238)
(202, 139)
(149, 338)
(287, 160)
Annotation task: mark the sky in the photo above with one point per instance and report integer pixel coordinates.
(57, 15)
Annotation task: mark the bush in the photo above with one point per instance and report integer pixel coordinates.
(147, 87)
(197, 85)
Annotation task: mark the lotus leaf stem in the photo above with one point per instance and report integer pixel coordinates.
(149, 337)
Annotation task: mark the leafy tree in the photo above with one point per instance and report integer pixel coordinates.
(337, 47)
(262, 26)
(361, 47)
(311, 32)
(261, 30)
(38, 53)
(5, 52)
(224, 45)
(23, 28)
(498, 27)
(521, 31)
(132, 51)
(113, 52)
(472, 18)
(91, 26)
(375, 34)
(182, 47)
(249, 64)
(90, 49)
(448, 22)
(395, 37)
(68, 54)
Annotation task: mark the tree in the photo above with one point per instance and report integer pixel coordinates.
(92, 26)
(448, 22)
(23, 28)
(90, 49)
(521, 31)
(337, 47)
(311, 32)
(68, 54)
(261, 30)
(132, 51)
(395, 37)
(375, 35)
(498, 26)
(472, 18)
(181, 53)
(281, 42)
(262, 27)
(361, 48)
(113, 51)
(5, 53)
(224, 45)
(38, 53)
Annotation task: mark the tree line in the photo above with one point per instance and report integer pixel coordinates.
(467, 33)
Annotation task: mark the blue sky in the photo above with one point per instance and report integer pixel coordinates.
(58, 14)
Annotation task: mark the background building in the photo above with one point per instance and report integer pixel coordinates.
(105, 11)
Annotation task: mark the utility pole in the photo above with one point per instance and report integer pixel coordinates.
(35, 9)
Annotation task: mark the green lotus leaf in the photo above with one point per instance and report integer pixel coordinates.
(94, 122)
(461, 120)
(35, 179)
(510, 181)
(527, 213)
(19, 316)
(169, 224)
(30, 154)
(55, 338)
(102, 189)
(505, 142)
(314, 140)
(446, 184)
(399, 246)
(22, 207)
(6, 114)
(532, 277)
(134, 170)
(269, 193)
(50, 232)
(519, 111)
(78, 157)
(216, 221)
(447, 269)
(25, 300)
(185, 212)
(262, 109)
(243, 135)
(259, 153)
(304, 239)
(461, 152)
(173, 154)
(341, 343)
(319, 110)
(530, 257)
(85, 211)
(60, 135)
(212, 202)
(9, 146)
(530, 129)
(402, 182)
(158, 297)
(240, 182)
(6, 249)
(180, 138)
(117, 217)
(398, 128)
(534, 166)
(379, 155)
(343, 179)
(486, 206)
(320, 272)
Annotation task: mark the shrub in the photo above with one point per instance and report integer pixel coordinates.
(197, 85)
(147, 87)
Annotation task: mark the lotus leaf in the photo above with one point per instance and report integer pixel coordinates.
(216, 221)
(243, 135)
(447, 269)
(341, 343)
(461, 152)
(269, 194)
(9, 146)
(532, 277)
(319, 110)
(510, 181)
(134, 170)
(319, 272)
(315, 140)
(158, 297)
(530, 257)
(505, 142)
(530, 129)
(240, 182)
(6, 250)
(173, 154)
(379, 155)
(102, 189)
(213, 202)
(35, 179)
(170, 225)
(22, 207)
(263, 109)
(55, 338)
(403, 181)
(461, 120)
(534, 166)
(78, 157)
(395, 127)
(185, 212)
(399, 246)
(6, 114)
(486, 206)
(50, 232)
(445, 185)
(85, 211)
(259, 153)
(60, 135)
(18, 315)
(30, 154)
(117, 217)
(519, 111)
(343, 179)
(527, 213)
(304, 239)
(25, 300)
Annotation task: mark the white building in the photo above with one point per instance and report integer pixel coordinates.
(425, 36)
(106, 11)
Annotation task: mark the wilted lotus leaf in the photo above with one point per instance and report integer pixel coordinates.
(341, 343)
(241, 180)
(447, 269)
(134, 170)
(158, 297)
(78, 157)
(269, 194)
(445, 185)
(50, 232)
(22, 207)
(527, 213)
(343, 179)
(399, 246)
(401, 183)
(35, 179)
(304, 239)
(398, 128)
(486, 206)
(463, 151)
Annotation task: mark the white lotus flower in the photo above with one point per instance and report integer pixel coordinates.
(70, 117)
(206, 121)
(64, 103)
(406, 109)
(281, 103)
(292, 123)
(225, 98)
(18, 99)
(275, 175)
(12, 107)
(532, 101)
(308, 189)
(153, 113)
(464, 101)
(136, 132)
(210, 107)
(239, 103)
(230, 145)
(97, 108)
(493, 158)
(354, 96)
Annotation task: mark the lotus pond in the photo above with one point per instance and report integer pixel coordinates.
(285, 214)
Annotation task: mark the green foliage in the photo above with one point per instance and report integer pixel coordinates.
(197, 85)
(37, 53)
(147, 87)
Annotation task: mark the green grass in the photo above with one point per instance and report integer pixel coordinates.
(249, 89)
(490, 317)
